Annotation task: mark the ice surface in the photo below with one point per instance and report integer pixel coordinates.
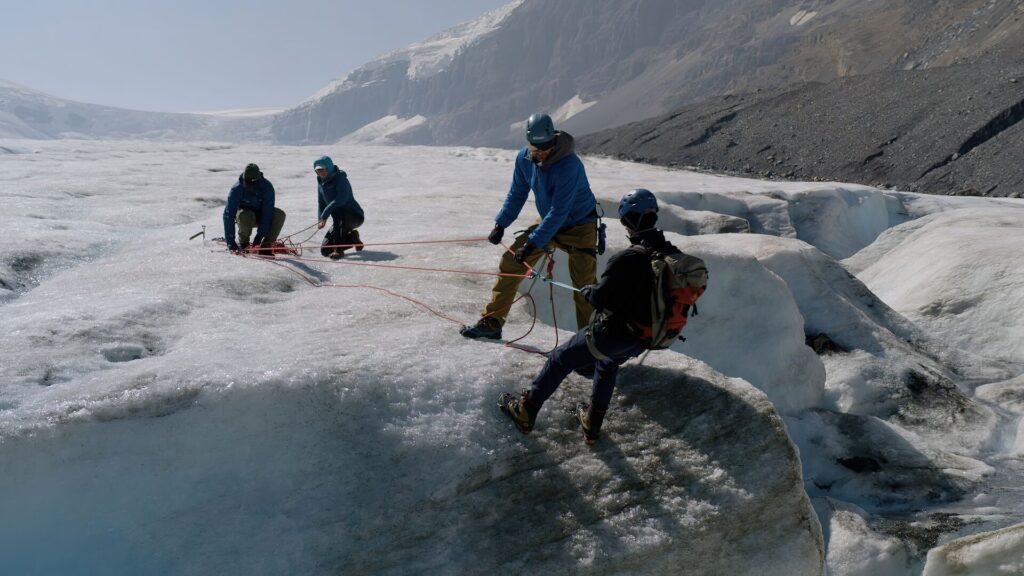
(168, 408)
(996, 553)
(856, 550)
(956, 274)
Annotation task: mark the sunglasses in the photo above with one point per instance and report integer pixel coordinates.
(544, 145)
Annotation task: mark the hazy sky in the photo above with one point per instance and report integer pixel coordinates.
(199, 56)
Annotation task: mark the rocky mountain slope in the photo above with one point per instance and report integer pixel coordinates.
(599, 63)
(948, 130)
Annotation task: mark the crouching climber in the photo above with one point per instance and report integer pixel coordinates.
(335, 200)
(251, 205)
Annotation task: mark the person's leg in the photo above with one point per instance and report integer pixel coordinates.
(275, 228)
(344, 222)
(580, 242)
(504, 292)
(605, 373)
(523, 409)
(246, 220)
(606, 370)
(337, 229)
(560, 363)
(353, 221)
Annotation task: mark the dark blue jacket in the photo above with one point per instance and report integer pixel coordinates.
(258, 197)
(334, 191)
(623, 295)
(560, 188)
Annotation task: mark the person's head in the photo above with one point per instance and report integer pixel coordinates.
(638, 210)
(252, 174)
(540, 134)
(323, 166)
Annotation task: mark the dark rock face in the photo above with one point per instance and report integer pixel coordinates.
(949, 130)
(636, 59)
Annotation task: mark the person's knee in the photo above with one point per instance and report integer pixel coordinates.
(246, 218)
(508, 264)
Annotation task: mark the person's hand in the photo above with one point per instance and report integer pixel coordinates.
(321, 223)
(524, 252)
(588, 291)
(495, 236)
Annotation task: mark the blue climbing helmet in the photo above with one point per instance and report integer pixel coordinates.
(540, 130)
(638, 202)
(638, 210)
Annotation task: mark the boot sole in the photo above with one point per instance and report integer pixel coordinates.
(503, 405)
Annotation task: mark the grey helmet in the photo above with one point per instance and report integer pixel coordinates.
(540, 129)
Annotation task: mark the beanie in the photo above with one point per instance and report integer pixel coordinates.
(252, 173)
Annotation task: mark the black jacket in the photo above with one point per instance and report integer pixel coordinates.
(624, 293)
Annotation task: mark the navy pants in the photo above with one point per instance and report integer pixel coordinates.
(343, 223)
(574, 354)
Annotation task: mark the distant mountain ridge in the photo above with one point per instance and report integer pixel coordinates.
(601, 63)
(594, 64)
(27, 113)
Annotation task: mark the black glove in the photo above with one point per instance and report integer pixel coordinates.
(495, 236)
(524, 252)
(588, 291)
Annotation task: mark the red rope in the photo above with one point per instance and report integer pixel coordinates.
(316, 284)
(418, 268)
(455, 241)
(297, 249)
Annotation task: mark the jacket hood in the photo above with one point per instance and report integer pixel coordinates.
(326, 162)
(652, 239)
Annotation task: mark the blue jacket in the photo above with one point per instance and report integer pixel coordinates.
(334, 191)
(560, 188)
(258, 197)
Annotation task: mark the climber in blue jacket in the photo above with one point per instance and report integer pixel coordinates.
(335, 200)
(251, 205)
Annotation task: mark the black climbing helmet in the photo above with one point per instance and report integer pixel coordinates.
(540, 130)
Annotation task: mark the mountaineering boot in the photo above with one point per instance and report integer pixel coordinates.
(265, 250)
(521, 410)
(486, 327)
(336, 254)
(590, 420)
(353, 238)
